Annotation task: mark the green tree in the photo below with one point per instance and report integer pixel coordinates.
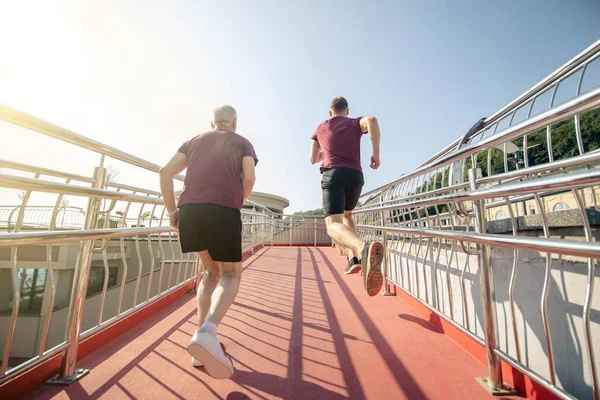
(311, 213)
(564, 145)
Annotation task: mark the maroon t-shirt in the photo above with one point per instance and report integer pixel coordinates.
(214, 172)
(339, 138)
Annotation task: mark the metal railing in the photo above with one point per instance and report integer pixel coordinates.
(40, 217)
(504, 222)
(123, 228)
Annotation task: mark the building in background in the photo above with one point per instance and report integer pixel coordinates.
(273, 202)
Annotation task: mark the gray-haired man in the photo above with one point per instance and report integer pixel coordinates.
(220, 176)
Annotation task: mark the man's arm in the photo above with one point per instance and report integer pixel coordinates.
(177, 164)
(316, 155)
(249, 177)
(370, 124)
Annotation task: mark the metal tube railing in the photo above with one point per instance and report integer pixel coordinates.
(44, 171)
(80, 283)
(578, 161)
(561, 246)
(558, 182)
(494, 378)
(37, 185)
(16, 292)
(57, 237)
(564, 70)
(523, 199)
(549, 117)
(569, 67)
(24, 120)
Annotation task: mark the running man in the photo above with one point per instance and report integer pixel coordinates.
(220, 176)
(336, 142)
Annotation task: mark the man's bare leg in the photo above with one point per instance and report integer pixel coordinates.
(225, 292)
(207, 285)
(349, 222)
(204, 345)
(342, 234)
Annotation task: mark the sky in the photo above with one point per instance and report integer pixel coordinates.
(143, 76)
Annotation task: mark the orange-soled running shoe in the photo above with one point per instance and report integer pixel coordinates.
(372, 257)
(353, 267)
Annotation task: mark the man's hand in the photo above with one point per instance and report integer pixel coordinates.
(177, 164)
(316, 154)
(375, 163)
(174, 219)
(370, 124)
(248, 176)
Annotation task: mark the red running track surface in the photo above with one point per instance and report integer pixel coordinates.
(299, 329)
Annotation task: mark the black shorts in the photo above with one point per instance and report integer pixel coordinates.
(341, 189)
(211, 227)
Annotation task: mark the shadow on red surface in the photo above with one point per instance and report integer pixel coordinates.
(299, 329)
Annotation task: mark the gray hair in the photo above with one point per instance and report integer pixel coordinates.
(224, 114)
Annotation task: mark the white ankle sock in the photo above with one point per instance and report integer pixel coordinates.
(210, 327)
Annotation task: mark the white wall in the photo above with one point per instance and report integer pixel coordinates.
(304, 233)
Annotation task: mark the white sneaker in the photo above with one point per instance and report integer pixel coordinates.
(206, 349)
(196, 362)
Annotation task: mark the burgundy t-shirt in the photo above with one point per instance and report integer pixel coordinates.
(214, 172)
(339, 138)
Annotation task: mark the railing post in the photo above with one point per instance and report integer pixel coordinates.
(252, 230)
(384, 265)
(68, 372)
(315, 221)
(493, 383)
(262, 231)
(272, 228)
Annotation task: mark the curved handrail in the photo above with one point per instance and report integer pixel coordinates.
(562, 246)
(558, 182)
(539, 87)
(44, 171)
(565, 69)
(46, 128)
(551, 116)
(55, 237)
(38, 185)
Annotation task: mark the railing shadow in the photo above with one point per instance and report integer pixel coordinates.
(400, 373)
(564, 310)
(429, 325)
(77, 391)
(246, 330)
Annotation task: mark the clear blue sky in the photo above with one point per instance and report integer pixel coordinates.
(143, 76)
